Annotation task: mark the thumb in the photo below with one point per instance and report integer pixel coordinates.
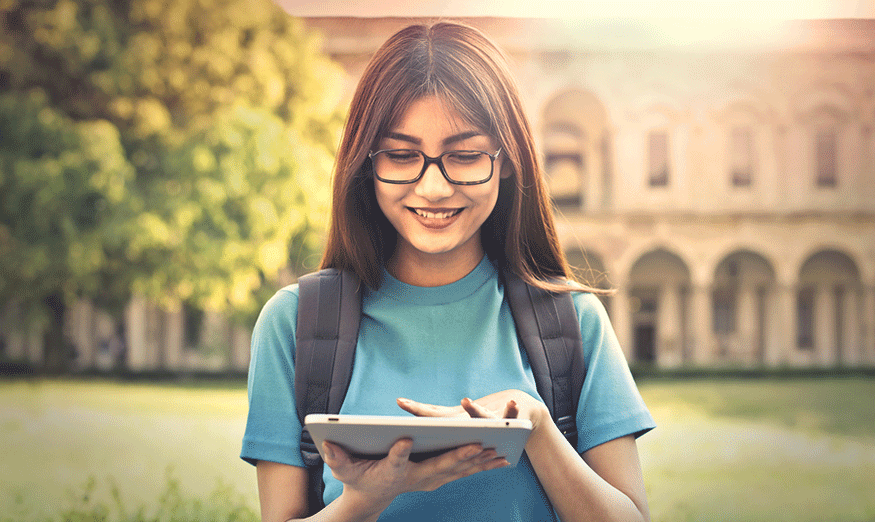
(399, 453)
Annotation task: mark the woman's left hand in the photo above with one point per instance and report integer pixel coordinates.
(507, 404)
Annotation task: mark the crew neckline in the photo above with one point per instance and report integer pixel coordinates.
(435, 295)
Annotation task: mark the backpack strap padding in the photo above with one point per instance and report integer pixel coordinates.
(325, 341)
(548, 327)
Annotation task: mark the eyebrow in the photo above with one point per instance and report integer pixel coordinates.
(462, 136)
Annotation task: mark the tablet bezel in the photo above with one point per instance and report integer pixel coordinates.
(371, 436)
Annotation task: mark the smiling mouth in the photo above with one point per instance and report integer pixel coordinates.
(436, 214)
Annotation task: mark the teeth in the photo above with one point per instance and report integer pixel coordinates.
(436, 215)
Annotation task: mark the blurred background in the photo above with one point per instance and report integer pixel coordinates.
(165, 167)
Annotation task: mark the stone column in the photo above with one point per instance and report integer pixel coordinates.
(13, 332)
(174, 338)
(701, 313)
(668, 347)
(852, 349)
(136, 317)
(240, 348)
(593, 168)
(868, 327)
(747, 322)
(621, 318)
(789, 309)
(824, 325)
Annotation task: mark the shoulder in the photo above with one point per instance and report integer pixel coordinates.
(280, 312)
(596, 330)
(282, 300)
(588, 303)
(590, 309)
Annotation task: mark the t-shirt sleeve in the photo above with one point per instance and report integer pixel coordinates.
(610, 405)
(272, 427)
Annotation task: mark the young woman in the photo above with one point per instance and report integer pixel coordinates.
(437, 191)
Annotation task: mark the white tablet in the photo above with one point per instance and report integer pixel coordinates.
(371, 436)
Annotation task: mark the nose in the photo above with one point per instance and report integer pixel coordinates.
(433, 186)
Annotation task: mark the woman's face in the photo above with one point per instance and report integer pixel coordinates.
(435, 219)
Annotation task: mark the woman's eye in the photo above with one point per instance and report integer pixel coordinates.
(403, 156)
(464, 157)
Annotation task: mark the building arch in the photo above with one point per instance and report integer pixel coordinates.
(745, 145)
(588, 264)
(809, 98)
(658, 291)
(625, 263)
(850, 250)
(743, 296)
(830, 308)
(577, 149)
(828, 114)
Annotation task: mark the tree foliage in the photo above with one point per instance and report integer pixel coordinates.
(179, 149)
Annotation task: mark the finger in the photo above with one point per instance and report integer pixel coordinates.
(511, 410)
(468, 452)
(399, 453)
(333, 454)
(475, 410)
(428, 410)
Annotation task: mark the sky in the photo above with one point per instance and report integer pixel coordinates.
(610, 9)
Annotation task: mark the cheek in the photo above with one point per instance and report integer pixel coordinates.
(489, 195)
(387, 198)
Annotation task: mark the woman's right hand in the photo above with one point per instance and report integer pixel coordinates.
(377, 482)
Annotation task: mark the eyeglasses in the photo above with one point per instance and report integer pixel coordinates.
(459, 167)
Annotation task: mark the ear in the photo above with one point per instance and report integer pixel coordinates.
(506, 171)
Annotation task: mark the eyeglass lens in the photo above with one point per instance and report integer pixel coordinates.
(407, 165)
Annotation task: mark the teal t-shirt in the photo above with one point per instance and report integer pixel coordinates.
(438, 345)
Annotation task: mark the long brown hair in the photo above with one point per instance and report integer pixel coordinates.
(464, 68)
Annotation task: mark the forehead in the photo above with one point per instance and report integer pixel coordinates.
(429, 111)
(431, 118)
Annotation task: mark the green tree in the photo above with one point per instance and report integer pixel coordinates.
(176, 149)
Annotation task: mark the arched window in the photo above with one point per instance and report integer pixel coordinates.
(742, 156)
(658, 154)
(565, 163)
(825, 146)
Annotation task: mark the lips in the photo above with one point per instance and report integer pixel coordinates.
(436, 218)
(436, 213)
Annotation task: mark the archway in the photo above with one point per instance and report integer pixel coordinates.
(590, 270)
(829, 309)
(659, 291)
(743, 287)
(577, 150)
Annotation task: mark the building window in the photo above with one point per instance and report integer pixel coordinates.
(565, 164)
(826, 152)
(741, 152)
(563, 178)
(657, 145)
(805, 318)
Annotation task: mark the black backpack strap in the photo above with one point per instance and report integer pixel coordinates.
(548, 327)
(329, 312)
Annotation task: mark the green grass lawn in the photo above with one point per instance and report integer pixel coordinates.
(742, 450)
(754, 450)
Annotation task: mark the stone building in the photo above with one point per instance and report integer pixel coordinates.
(724, 187)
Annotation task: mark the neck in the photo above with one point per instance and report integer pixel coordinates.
(429, 270)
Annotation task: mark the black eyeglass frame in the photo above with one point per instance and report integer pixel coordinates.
(439, 161)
